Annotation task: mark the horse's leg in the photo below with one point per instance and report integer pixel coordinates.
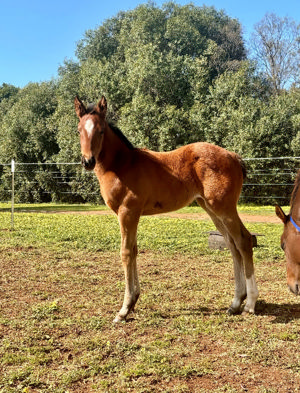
(128, 226)
(243, 242)
(240, 292)
(136, 278)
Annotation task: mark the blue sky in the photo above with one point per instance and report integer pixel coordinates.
(36, 36)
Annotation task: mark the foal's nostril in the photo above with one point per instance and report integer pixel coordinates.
(297, 289)
(88, 164)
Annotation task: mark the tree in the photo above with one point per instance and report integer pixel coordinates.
(276, 48)
(28, 136)
(7, 91)
(232, 109)
(8, 95)
(153, 62)
(182, 30)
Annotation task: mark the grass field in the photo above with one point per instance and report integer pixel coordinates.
(62, 283)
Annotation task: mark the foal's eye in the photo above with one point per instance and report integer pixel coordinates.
(283, 245)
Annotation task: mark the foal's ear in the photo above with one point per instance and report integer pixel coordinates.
(280, 213)
(102, 106)
(80, 109)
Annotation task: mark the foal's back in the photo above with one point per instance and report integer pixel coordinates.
(171, 180)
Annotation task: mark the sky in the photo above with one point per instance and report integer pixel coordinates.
(37, 36)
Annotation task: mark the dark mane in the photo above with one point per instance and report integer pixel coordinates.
(120, 135)
(295, 190)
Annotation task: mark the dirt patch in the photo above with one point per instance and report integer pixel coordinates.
(57, 333)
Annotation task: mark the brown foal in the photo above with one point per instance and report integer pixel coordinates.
(137, 182)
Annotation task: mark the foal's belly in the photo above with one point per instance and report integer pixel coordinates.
(162, 205)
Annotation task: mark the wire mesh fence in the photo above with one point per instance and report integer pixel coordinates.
(269, 181)
(48, 182)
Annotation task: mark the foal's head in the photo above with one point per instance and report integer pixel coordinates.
(91, 128)
(290, 243)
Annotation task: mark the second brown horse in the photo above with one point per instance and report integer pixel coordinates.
(290, 239)
(135, 182)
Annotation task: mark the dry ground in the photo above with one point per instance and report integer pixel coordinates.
(56, 331)
(57, 335)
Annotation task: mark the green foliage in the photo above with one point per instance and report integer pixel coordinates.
(172, 75)
(152, 63)
(26, 131)
(7, 91)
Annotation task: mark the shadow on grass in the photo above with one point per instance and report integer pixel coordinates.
(197, 311)
(283, 313)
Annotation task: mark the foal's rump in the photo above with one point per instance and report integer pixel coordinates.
(221, 174)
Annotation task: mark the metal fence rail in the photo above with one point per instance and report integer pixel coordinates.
(269, 179)
(46, 182)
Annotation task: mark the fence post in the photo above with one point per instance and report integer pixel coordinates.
(12, 193)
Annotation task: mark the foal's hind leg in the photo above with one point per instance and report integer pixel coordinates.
(243, 242)
(128, 224)
(240, 293)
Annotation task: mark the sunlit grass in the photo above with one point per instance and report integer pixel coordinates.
(50, 207)
(62, 207)
(101, 233)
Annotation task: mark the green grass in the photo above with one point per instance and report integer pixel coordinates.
(51, 207)
(101, 233)
(62, 207)
(62, 283)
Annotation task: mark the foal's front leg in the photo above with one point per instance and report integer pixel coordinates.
(128, 226)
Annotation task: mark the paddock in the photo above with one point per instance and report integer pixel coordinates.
(56, 332)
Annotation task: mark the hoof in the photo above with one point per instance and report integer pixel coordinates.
(248, 311)
(119, 319)
(233, 311)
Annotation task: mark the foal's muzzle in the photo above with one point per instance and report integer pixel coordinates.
(89, 165)
(295, 289)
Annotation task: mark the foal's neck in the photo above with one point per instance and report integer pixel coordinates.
(114, 152)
